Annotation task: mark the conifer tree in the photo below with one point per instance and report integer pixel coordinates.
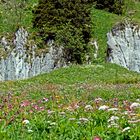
(67, 22)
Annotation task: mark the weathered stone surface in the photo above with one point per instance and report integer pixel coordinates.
(21, 64)
(124, 46)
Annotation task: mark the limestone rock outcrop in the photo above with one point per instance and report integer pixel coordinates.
(124, 46)
(20, 63)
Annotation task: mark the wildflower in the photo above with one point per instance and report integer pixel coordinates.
(50, 112)
(42, 108)
(83, 119)
(113, 124)
(113, 118)
(53, 123)
(134, 105)
(30, 131)
(25, 103)
(104, 107)
(72, 119)
(126, 129)
(45, 99)
(136, 121)
(88, 107)
(36, 107)
(113, 109)
(115, 102)
(98, 99)
(25, 122)
(137, 100)
(96, 138)
(62, 113)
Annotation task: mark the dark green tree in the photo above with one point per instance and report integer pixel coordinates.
(114, 6)
(67, 22)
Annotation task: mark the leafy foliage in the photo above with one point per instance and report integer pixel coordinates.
(67, 22)
(115, 6)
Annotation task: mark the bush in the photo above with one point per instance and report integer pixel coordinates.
(113, 6)
(67, 22)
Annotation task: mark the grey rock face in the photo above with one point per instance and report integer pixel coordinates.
(19, 64)
(124, 46)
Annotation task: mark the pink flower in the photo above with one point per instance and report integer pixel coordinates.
(42, 108)
(25, 103)
(96, 138)
(35, 107)
(45, 99)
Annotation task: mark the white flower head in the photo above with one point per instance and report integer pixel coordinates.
(88, 107)
(62, 113)
(113, 109)
(72, 119)
(53, 123)
(137, 100)
(134, 105)
(83, 119)
(25, 122)
(30, 131)
(113, 125)
(98, 99)
(126, 129)
(104, 107)
(113, 118)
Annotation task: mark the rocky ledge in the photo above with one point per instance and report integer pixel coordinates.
(17, 63)
(124, 46)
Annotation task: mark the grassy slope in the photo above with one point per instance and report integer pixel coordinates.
(64, 88)
(100, 77)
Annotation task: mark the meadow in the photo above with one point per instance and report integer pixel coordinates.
(80, 102)
(96, 102)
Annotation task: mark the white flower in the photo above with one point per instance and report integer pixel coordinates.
(50, 112)
(88, 107)
(72, 119)
(137, 100)
(53, 123)
(104, 107)
(134, 105)
(83, 119)
(113, 118)
(113, 125)
(113, 109)
(30, 131)
(126, 129)
(98, 99)
(25, 122)
(62, 113)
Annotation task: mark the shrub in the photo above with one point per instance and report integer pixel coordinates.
(67, 22)
(113, 6)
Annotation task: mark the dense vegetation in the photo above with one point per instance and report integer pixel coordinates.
(75, 103)
(68, 23)
(113, 6)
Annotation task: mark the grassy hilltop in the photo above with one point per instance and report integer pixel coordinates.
(80, 102)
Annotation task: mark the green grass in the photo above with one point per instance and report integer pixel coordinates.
(68, 91)
(102, 23)
(14, 14)
(55, 103)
